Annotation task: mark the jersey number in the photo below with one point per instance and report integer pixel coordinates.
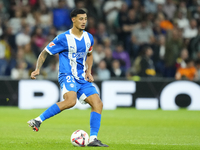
(70, 79)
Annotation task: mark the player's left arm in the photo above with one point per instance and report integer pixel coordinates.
(89, 62)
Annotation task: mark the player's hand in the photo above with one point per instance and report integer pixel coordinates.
(89, 77)
(34, 74)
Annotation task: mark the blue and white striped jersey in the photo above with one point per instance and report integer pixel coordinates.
(72, 53)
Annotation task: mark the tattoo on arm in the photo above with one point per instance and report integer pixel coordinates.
(89, 61)
(41, 59)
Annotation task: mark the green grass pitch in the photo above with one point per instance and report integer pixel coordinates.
(123, 129)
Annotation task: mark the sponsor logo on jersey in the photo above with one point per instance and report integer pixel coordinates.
(72, 47)
(51, 44)
(79, 55)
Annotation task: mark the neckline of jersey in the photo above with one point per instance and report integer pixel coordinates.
(76, 36)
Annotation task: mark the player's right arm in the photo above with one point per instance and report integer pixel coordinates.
(40, 61)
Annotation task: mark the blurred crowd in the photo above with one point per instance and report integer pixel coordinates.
(132, 38)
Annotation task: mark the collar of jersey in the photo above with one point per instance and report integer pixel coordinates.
(70, 32)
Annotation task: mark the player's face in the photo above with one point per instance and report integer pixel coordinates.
(80, 21)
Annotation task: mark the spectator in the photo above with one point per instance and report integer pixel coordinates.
(160, 9)
(157, 30)
(146, 63)
(102, 72)
(3, 11)
(29, 16)
(136, 67)
(137, 6)
(122, 56)
(59, 13)
(141, 36)
(51, 3)
(150, 17)
(5, 55)
(92, 10)
(23, 38)
(150, 6)
(121, 20)
(196, 14)
(20, 72)
(169, 9)
(91, 26)
(194, 45)
(98, 54)
(38, 38)
(183, 9)
(98, 5)
(19, 66)
(51, 70)
(29, 55)
(107, 43)
(187, 73)
(45, 18)
(52, 33)
(95, 43)
(127, 25)
(158, 55)
(174, 44)
(108, 58)
(80, 4)
(164, 24)
(111, 10)
(15, 22)
(180, 61)
(191, 31)
(122, 15)
(101, 32)
(116, 70)
(182, 21)
(11, 39)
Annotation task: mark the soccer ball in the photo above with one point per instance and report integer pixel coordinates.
(80, 138)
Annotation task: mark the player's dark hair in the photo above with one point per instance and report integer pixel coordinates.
(75, 12)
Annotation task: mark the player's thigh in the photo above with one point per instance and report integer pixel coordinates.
(86, 90)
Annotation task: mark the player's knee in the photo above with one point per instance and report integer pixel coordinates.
(69, 101)
(101, 104)
(72, 103)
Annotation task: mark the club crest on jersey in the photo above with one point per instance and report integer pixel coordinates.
(72, 85)
(88, 45)
(79, 55)
(51, 44)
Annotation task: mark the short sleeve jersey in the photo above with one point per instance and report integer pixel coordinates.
(72, 53)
